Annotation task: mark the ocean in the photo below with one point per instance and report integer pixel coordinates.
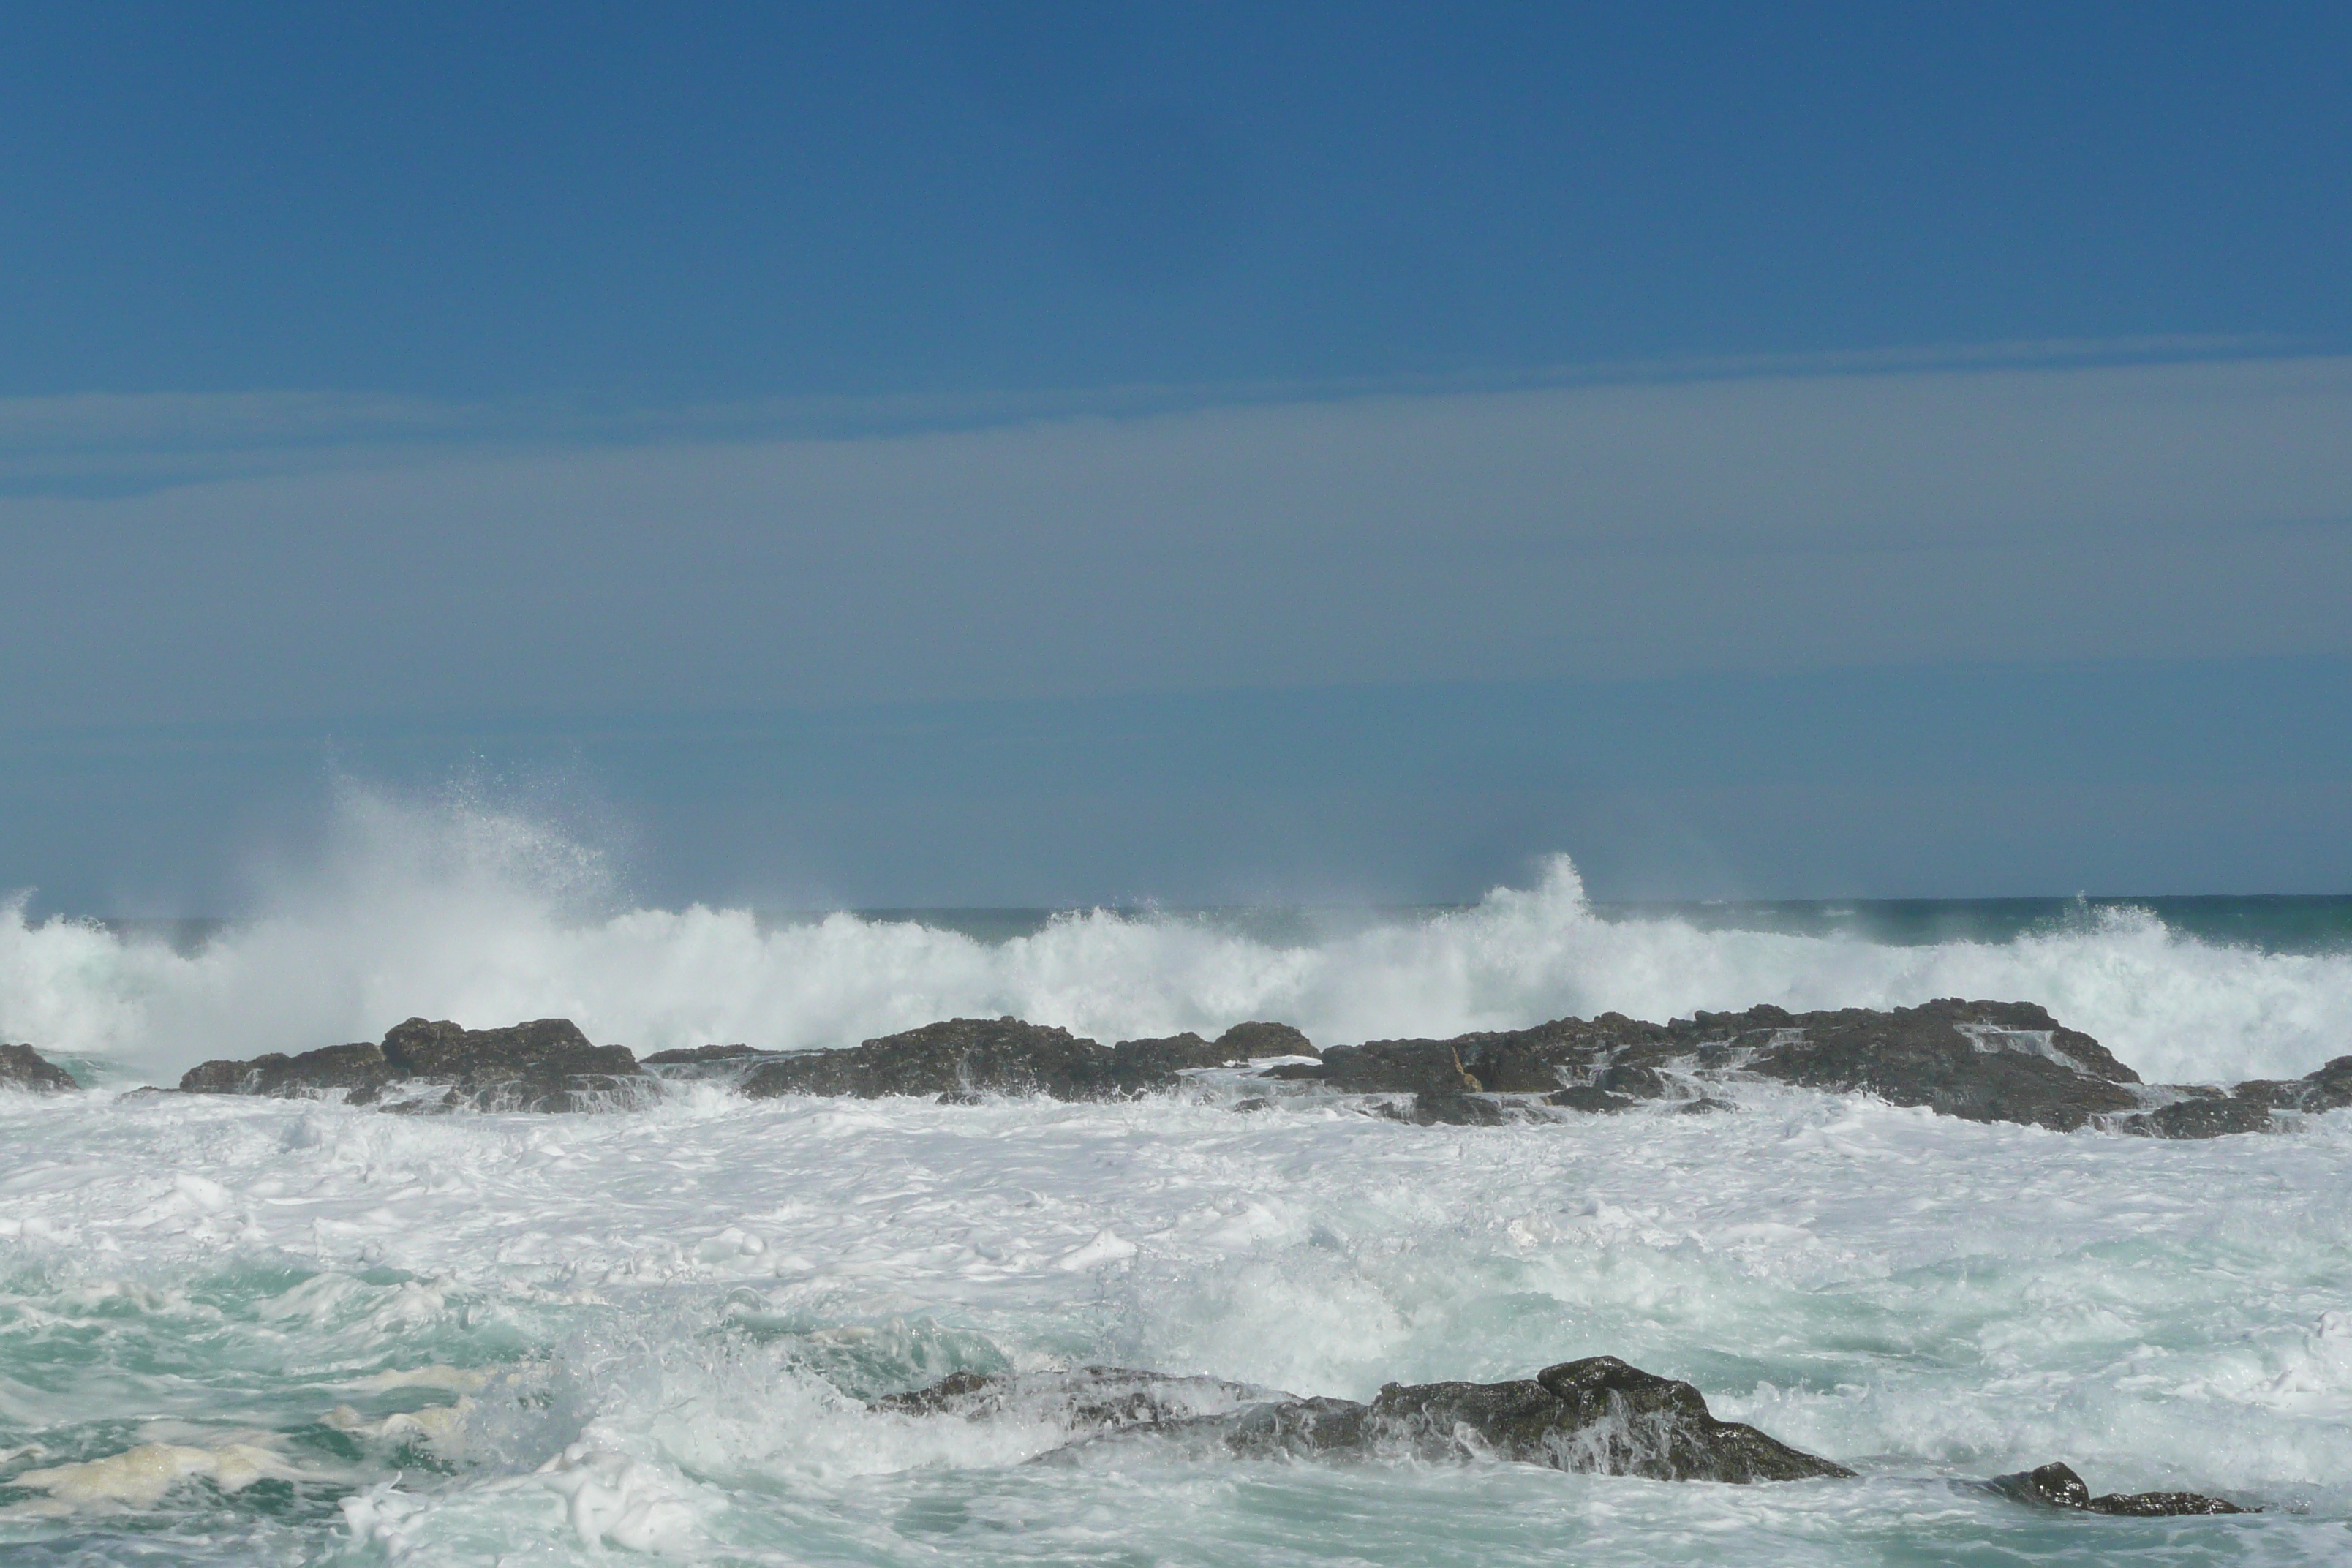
(256, 1332)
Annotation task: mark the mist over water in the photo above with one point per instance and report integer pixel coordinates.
(460, 910)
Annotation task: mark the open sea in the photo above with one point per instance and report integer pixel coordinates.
(277, 1332)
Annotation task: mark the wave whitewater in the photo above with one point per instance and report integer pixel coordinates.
(463, 912)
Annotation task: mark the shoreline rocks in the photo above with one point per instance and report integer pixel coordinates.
(22, 1066)
(1979, 1061)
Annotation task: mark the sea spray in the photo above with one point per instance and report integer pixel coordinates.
(460, 910)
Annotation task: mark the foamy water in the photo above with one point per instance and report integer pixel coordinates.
(241, 1331)
(487, 918)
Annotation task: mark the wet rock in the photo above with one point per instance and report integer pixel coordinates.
(22, 1066)
(2329, 1088)
(1255, 1041)
(963, 1057)
(1454, 1111)
(697, 1056)
(1164, 1057)
(1090, 1399)
(361, 1067)
(1633, 1079)
(2057, 1486)
(1255, 1102)
(1980, 1061)
(2211, 1116)
(1597, 1415)
(1590, 1098)
(546, 1065)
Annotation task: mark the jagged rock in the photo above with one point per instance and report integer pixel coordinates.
(545, 1064)
(2057, 1486)
(22, 1066)
(963, 1057)
(1256, 1040)
(697, 1055)
(1598, 1414)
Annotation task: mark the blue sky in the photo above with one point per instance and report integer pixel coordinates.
(778, 430)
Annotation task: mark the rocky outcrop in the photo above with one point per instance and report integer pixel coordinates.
(22, 1066)
(2057, 1486)
(962, 1058)
(1981, 1061)
(547, 1065)
(1597, 1415)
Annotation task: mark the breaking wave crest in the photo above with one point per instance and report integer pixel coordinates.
(464, 911)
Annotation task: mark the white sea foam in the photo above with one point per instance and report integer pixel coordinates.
(551, 1338)
(461, 911)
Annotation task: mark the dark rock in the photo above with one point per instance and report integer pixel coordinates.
(1169, 1055)
(699, 1053)
(1597, 1415)
(1253, 1041)
(361, 1067)
(1981, 1061)
(2329, 1088)
(545, 1064)
(1587, 1096)
(22, 1066)
(962, 1056)
(1256, 1102)
(2204, 1117)
(1705, 1105)
(1091, 1399)
(2057, 1486)
(1455, 1111)
(1635, 1079)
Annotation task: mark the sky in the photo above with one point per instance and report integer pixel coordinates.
(1037, 454)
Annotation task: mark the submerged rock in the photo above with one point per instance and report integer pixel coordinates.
(1088, 1401)
(962, 1059)
(22, 1066)
(2057, 1486)
(545, 1064)
(1598, 1414)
